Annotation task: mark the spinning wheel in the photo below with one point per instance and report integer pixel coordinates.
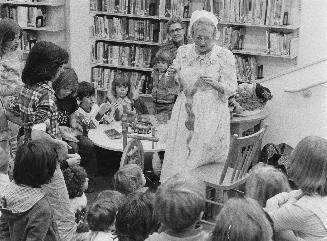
(133, 153)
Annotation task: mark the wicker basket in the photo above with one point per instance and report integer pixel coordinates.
(251, 103)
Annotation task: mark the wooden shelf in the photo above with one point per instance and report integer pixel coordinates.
(127, 41)
(281, 27)
(258, 53)
(47, 29)
(54, 3)
(145, 69)
(134, 16)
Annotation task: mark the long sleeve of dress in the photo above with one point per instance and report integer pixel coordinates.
(228, 79)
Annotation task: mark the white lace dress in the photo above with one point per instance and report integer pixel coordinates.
(209, 142)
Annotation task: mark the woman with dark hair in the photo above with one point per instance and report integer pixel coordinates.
(39, 113)
(25, 207)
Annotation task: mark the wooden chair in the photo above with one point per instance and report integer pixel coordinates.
(222, 177)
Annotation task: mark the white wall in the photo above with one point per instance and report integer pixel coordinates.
(293, 116)
(80, 44)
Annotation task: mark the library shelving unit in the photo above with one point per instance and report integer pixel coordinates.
(40, 20)
(262, 34)
(266, 31)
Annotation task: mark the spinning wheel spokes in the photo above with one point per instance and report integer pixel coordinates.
(133, 153)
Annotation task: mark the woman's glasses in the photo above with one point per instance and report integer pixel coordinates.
(176, 30)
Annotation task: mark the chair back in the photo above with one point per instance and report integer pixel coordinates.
(241, 155)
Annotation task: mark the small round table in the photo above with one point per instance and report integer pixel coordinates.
(99, 138)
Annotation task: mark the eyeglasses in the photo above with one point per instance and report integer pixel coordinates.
(200, 38)
(176, 30)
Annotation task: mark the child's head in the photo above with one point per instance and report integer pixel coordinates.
(10, 34)
(86, 94)
(265, 182)
(135, 219)
(76, 180)
(35, 163)
(162, 60)
(66, 84)
(128, 179)
(112, 196)
(121, 86)
(44, 63)
(101, 216)
(179, 202)
(242, 219)
(308, 165)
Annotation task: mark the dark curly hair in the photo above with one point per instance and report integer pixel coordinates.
(43, 62)
(75, 178)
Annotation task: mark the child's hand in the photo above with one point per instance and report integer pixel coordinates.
(73, 159)
(104, 108)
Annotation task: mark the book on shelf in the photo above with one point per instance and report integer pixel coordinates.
(27, 40)
(246, 68)
(25, 16)
(279, 43)
(259, 12)
(232, 37)
(121, 55)
(122, 28)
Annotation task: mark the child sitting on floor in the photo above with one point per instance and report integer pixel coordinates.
(128, 179)
(77, 182)
(242, 219)
(101, 219)
(179, 205)
(304, 211)
(264, 182)
(135, 218)
(25, 207)
(164, 89)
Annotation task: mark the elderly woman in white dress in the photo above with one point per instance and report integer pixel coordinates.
(199, 129)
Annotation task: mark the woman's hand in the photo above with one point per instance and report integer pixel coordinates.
(209, 80)
(171, 71)
(104, 108)
(73, 159)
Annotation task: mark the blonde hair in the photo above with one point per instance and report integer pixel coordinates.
(128, 179)
(179, 201)
(308, 165)
(265, 182)
(242, 219)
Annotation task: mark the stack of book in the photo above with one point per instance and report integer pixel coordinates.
(25, 16)
(261, 12)
(27, 41)
(121, 55)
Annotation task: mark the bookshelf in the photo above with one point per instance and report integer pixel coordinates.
(40, 20)
(262, 34)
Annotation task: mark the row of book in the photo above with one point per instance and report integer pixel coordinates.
(232, 37)
(281, 43)
(122, 55)
(263, 12)
(25, 16)
(123, 28)
(135, 7)
(103, 77)
(160, 8)
(246, 69)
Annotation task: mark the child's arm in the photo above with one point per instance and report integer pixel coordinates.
(75, 122)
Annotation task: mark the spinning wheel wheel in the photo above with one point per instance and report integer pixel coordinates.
(133, 153)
